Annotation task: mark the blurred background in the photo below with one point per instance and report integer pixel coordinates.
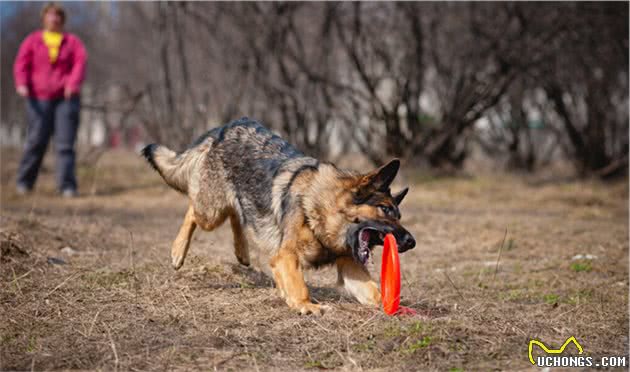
(506, 116)
(522, 87)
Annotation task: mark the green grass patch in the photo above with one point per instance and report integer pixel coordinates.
(400, 329)
(7, 339)
(583, 266)
(512, 295)
(245, 284)
(314, 364)
(551, 298)
(32, 344)
(581, 296)
(417, 333)
(417, 345)
(393, 330)
(367, 346)
(326, 360)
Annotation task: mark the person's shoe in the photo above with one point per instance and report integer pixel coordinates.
(22, 190)
(69, 193)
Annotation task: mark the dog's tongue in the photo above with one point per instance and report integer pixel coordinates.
(364, 251)
(365, 235)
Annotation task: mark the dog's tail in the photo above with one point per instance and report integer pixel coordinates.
(174, 168)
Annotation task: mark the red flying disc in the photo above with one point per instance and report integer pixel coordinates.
(390, 279)
(390, 276)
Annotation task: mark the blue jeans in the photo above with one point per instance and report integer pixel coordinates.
(45, 118)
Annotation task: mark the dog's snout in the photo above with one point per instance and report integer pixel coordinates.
(407, 243)
(410, 242)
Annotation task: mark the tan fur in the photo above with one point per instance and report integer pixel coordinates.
(178, 170)
(313, 232)
(326, 200)
(182, 241)
(328, 204)
(325, 194)
(357, 281)
(287, 264)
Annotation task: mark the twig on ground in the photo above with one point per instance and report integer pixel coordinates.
(15, 280)
(190, 307)
(111, 340)
(496, 268)
(320, 326)
(131, 249)
(453, 284)
(93, 322)
(60, 284)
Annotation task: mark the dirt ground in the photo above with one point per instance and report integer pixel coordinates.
(87, 283)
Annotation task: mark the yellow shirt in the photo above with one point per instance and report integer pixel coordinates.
(52, 41)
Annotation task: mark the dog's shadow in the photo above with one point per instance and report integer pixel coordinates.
(259, 279)
(243, 277)
(254, 278)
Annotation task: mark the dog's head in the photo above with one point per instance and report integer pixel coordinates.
(373, 211)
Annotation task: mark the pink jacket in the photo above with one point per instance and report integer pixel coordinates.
(45, 80)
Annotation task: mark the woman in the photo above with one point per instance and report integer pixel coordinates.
(48, 72)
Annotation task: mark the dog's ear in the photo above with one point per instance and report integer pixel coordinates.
(381, 178)
(398, 197)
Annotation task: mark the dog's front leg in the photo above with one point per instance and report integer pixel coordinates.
(290, 281)
(357, 281)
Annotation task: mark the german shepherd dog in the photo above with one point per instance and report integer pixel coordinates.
(306, 213)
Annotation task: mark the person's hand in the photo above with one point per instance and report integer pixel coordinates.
(22, 90)
(68, 93)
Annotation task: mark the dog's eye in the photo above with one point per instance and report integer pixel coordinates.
(386, 209)
(390, 212)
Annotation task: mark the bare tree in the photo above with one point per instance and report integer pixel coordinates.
(420, 81)
(587, 81)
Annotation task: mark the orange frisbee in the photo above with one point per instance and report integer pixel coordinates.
(390, 276)
(390, 279)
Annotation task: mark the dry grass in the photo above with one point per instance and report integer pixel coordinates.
(114, 303)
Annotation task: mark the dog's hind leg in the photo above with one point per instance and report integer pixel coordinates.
(356, 279)
(182, 241)
(241, 248)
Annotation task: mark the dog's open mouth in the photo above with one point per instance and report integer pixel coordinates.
(368, 238)
(362, 237)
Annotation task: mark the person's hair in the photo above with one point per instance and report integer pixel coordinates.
(57, 9)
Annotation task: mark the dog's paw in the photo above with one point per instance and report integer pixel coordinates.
(367, 293)
(243, 261)
(177, 261)
(371, 296)
(281, 293)
(311, 308)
